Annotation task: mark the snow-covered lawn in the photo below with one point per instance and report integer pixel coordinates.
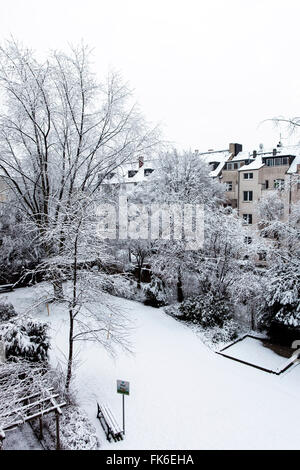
(182, 396)
(253, 351)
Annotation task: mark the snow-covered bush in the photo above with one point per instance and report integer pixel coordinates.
(173, 310)
(25, 338)
(229, 332)
(122, 286)
(155, 293)
(76, 431)
(7, 311)
(206, 310)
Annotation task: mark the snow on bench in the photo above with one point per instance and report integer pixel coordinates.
(109, 423)
(6, 287)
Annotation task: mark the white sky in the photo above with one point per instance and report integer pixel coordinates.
(209, 71)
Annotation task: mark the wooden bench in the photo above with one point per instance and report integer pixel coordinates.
(109, 423)
(6, 288)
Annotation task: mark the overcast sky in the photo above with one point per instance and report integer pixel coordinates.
(208, 71)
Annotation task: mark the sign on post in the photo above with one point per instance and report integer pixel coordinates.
(123, 387)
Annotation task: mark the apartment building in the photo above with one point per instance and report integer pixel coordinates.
(131, 173)
(251, 176)
(248, 176)
(125, 177)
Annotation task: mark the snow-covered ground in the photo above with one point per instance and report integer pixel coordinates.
(182, 395)
(254, 351)
(22, 438)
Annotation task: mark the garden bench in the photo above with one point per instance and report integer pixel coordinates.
(6, 287)
(109, 423)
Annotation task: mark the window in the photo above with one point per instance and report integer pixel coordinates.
(228, 185)
(248, 176)
(267, 184)
(262, 256)
(148, 171)
(248, 196)
(132, 173)
(285, 161)
(247, 218)
(277, 161)
(279, 184)
(248, 240)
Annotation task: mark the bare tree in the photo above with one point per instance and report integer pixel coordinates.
(62, 132)
(92, 314)
(141, 250)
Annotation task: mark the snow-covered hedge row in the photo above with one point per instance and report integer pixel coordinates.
(206, 310)
(212, 335)
(76, 431)
(122, 286)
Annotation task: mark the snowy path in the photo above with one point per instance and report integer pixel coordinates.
(22, 438)
(183, 396)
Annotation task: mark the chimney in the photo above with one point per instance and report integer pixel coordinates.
(234, 149)
(141, 161)
(254, 153)
(274, 152)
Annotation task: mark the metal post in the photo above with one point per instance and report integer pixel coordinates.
(123, 414)
(57, 431)
(41, 428)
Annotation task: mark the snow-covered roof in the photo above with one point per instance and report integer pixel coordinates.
(220, 157)
(293, 150)
(242, 156)
(215, 157)
(120, 174)
(258, 163)
(254, 165)
(218, 170)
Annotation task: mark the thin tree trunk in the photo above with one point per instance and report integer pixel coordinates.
(180, 296)
(71, 314)
(70, 358)
(58, 290)
(139, 280)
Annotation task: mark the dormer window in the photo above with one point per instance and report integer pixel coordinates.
(132, 173)
(277, 161)
(148, 171)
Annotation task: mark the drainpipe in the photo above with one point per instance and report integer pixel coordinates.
(238, 198)
(290, 194)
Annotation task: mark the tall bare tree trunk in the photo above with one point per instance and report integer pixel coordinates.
(70, 358)
(72, 314)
